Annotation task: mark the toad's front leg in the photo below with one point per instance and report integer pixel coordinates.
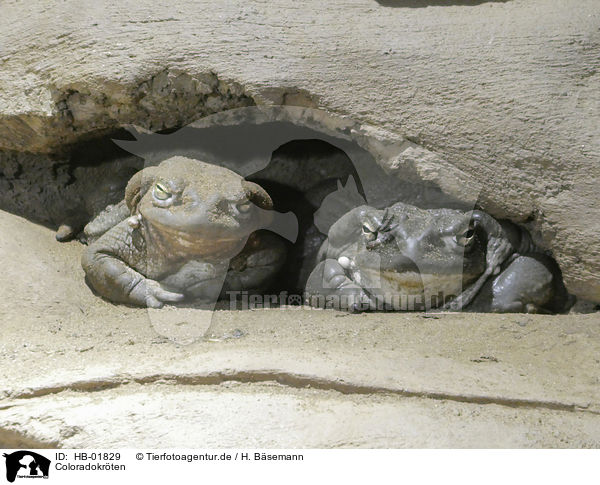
(108, 267)
(106, 220)
(253, 269)
(256, 267)
(329, 286)
(198, 280)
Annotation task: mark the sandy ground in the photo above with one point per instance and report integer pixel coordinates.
(78, 371)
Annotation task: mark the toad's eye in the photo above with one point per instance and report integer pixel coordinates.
(465, 238)
(370, 234)
(161, 192)
(243, 207)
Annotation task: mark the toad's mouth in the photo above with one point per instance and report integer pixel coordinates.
(200, 233)
(414, 282)
(399, 273)
(197, 242)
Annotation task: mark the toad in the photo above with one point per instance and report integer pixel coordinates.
(407, 258)
(186, 230)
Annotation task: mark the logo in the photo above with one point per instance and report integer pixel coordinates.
(26, 464)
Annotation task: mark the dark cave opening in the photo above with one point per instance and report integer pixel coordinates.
(300, 177)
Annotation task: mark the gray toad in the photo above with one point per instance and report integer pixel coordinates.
(433, 258)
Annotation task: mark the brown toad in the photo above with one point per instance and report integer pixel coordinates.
(185, 230)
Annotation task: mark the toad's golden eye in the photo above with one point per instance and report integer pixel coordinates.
(244, 207)
(370, 234)
(161, 192)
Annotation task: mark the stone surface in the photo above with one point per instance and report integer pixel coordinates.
(79, 371)
(496, 100)
(496, 103)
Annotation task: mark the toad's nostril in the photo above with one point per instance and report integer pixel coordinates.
(224, 206)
